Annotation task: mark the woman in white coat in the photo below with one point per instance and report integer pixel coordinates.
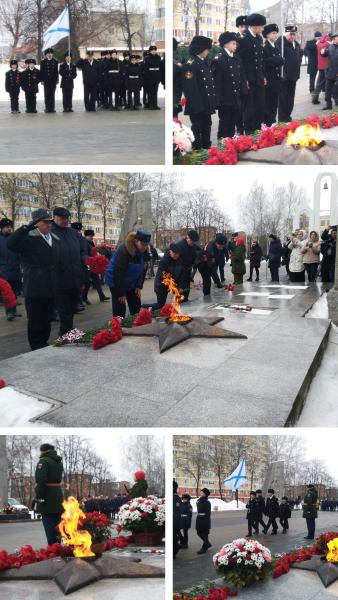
(296, 266)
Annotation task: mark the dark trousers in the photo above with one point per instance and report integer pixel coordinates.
(123, 96)
(240, 124)
(113, 98)
(311, 270)
(238, 278)
(93, 279)
(133, 99)
(256, 271)
(297, 277)
(49, 90)
(271, 106)
(286, 100)
(312, 80)
(39, 316)
(14, 96)
(183, 537)
(119, 309)
(201, 128)
(272, 521)
(228, 117)
(274, 273)
(331, 91)
(50, 523)
(254, 108)
(205, 538)
(152, 95)
(89, 96)
(252, 523)
(65, 303)
(320, 83)
(207, 275)
(311, 527)
(30, 101)
(67, 98)
(284, 523)
(260, 522)
(221, 272)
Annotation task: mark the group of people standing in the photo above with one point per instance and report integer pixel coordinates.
(322, 67)
(109, 83)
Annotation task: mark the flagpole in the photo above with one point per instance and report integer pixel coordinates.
(282, 30)
(67, 5)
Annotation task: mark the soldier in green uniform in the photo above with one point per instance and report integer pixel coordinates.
(48, 477)
(139, 489)
(310, 510)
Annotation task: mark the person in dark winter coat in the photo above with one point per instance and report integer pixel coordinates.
(9, 263)
(68, 73)
(310, 51)
(188, 255)
(91, 76)
(48, 491)
(185, 523)
(292, 55)
(328, 250)
(123, 90)
(125, 273)
(255, 256)
(230, 84)
(271, 511)
(199, 91)
(139, 489)
(237, 255)
(212, 257)
(38, 249)
(12, 85)
(310, 510)
(177, 82)
(274, 257)
(284, 514)
(252, 514)
(49, 76)
(69, 277)
(152, 76)
(113, 80)
(250, 51)
(170, 263)
(177, 502)
(133, 75)
(30, 79)
(273, 62)
(331, 75)
(203, 520)
(260, 510)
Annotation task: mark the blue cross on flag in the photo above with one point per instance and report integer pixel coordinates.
(237, 478)
(58, 30)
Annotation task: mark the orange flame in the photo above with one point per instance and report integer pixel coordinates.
(80, 539)
(305, 135)
(332, 555)
(176, 315)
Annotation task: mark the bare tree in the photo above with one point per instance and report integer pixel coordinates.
(146, 452)
(75, 195)
(13, 17)
(11, 191)
(48, 187)
(194, 461)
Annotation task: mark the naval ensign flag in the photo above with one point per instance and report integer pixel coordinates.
(58, 30)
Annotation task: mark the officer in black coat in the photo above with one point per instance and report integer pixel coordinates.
(102, 85)
(230, 84)
(311, 52)
(123, 91)
(255, 256)
(9, 264)
(176, 519)
(38, 248)
(69, 272)
(260, 510)
(251, 53)
(292, 55)
(68, 73)
(30, 79)
(186, 517)
(188, 254)
(152, 76)
(133, 82)
(49, 76)
(170, 263)
(199, 90)
(12, 85)
(113, 80)
(252, 514)
(271, 511)
(177, 82)
(284, 513)
(273, 62)
(331, 74)
(212, 257)
(203, 520)
(91, 77)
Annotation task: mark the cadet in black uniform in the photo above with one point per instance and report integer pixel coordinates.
(271, 511)
(212, 258)
(199, 90)
(285, 513)
(186, 516)
(292, 55)
(273, 62)
(30, 79)
(251, 52)
(230, 84)
(261, 510)
(177, 82)
(188, 250)
(91, 77)
(133, 82)
(252, 514)
(67, 71)
(203, 520)
(113, 77)
(102, 87)
(241, 25)
(123, 91)
(12, 85)
(176, 519)
(49, 76)
(152, 76)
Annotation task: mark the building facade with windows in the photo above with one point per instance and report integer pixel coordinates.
(215, 17)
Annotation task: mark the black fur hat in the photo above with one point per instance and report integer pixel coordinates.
(256, 19)
(198, 44)
(227, 36)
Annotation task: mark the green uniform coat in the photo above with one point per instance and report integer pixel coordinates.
(238, 260)
(49, 470)
(139, 489)
(310, 504)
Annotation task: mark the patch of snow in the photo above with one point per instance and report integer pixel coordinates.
(220, 505)
(17, 409)
(319, 310)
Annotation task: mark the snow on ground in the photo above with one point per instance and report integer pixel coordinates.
(321, 402)
(220, 505)
(16, 409)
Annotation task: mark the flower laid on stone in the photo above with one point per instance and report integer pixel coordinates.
(183, 138)
(105, 337)
(2, 384)
(143, 514)
(244, 562)
(143, 318)
(97, 264)
(71, 337)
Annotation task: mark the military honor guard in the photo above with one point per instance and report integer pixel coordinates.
(102, 87)
(230, 85)
(123, 91)
(292, 55)
(49, 76)
(251, 53)
(91, 77)
(30, 79)
(12, 85)
(48, 491)
(273, 63)
(203, 520)
(271, 511)
(252, 512)
(152, 76)
(199, 90)
(133, 82)
(68, 73)
(113, 79)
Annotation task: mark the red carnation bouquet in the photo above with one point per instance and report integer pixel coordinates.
(167, 310)
(97, 264)
(98, 525)
(105, 337)
(8, 296)
(143, 318)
